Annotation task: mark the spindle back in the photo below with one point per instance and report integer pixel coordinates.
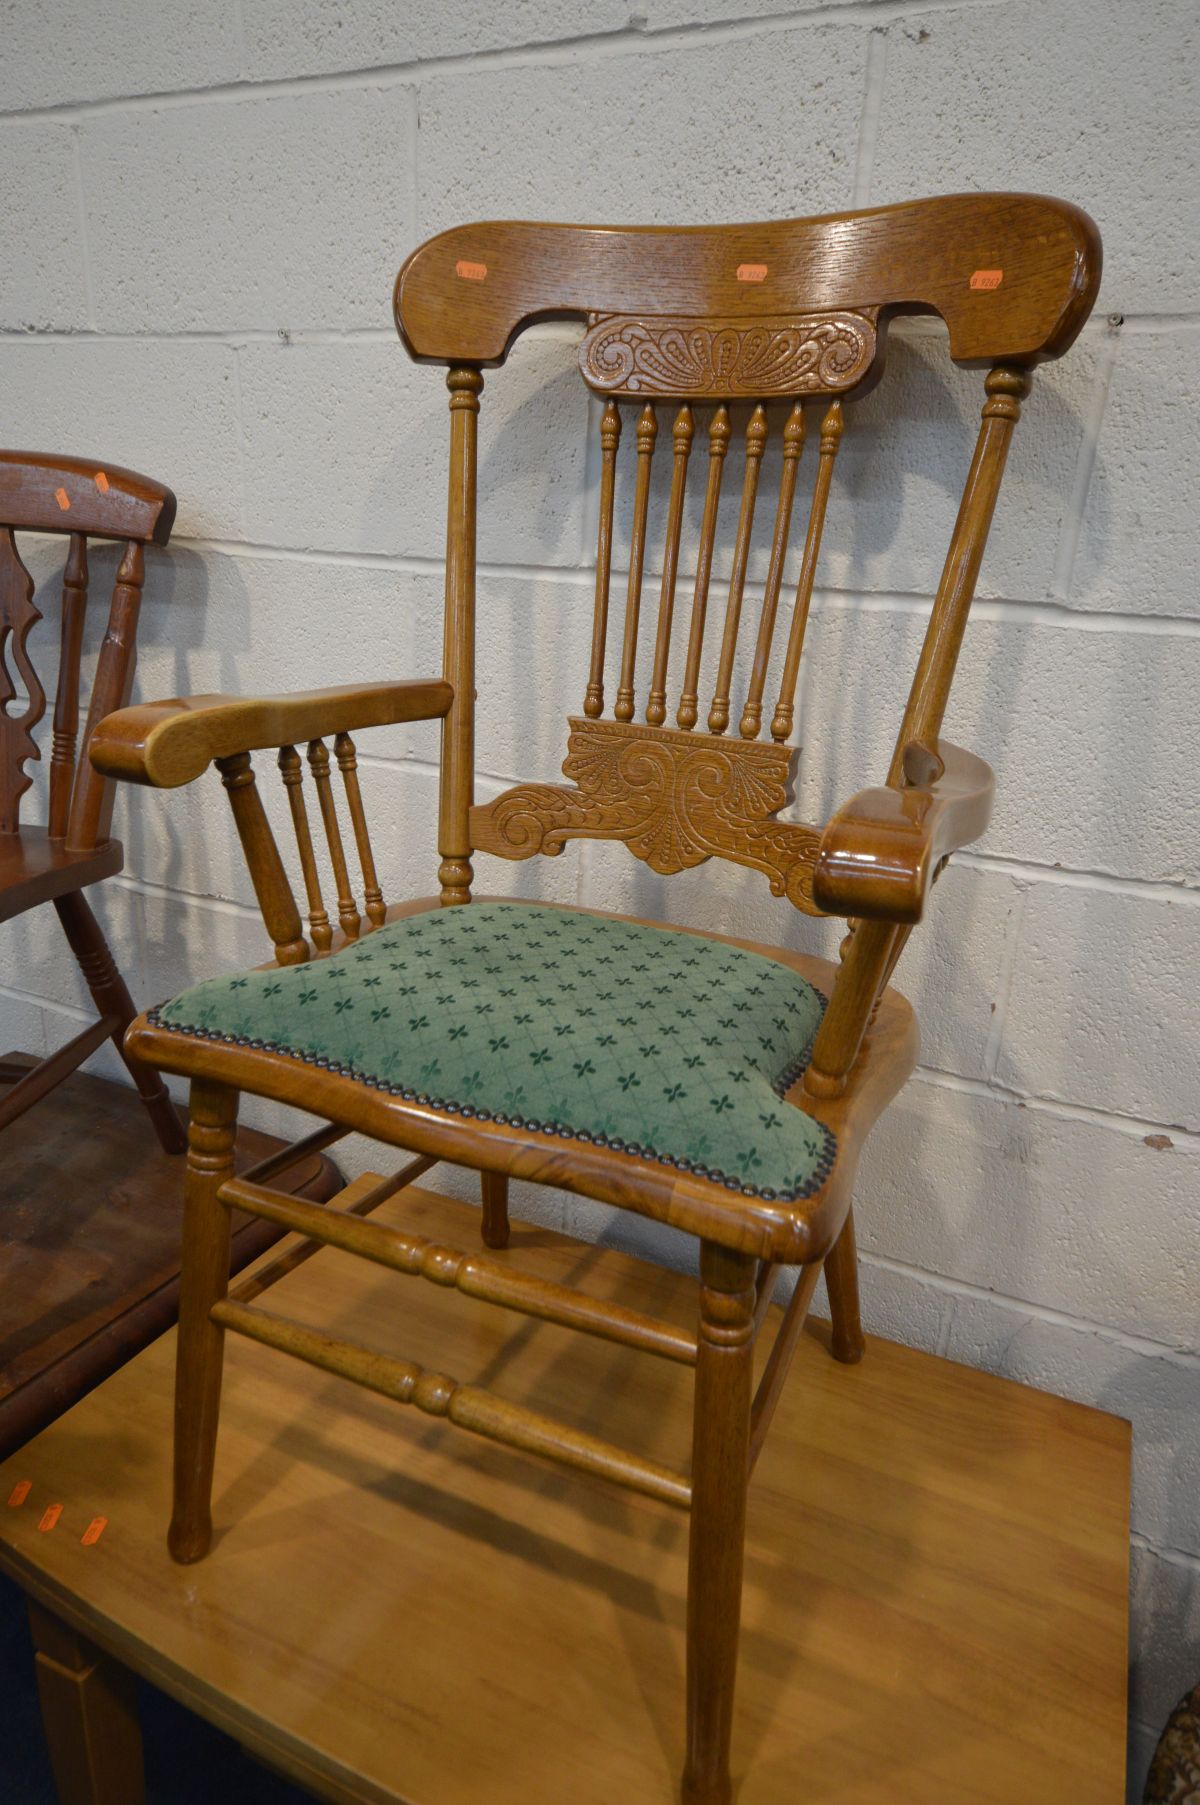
(79, 498)
(776, 316)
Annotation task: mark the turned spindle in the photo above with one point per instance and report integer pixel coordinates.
(647, 433)
(793, 445)
(318, 764)
(756, 444)
(656, 706)
(292, 772)
(785, 708)
(66, 701)
(347, 758)
(610, 439)
(718, 445)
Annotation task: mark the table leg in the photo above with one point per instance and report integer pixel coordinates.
(89, 1713)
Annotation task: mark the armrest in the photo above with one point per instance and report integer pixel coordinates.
(170, 743)
(881, 852)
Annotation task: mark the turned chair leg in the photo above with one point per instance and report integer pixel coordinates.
(204, 1280)
(111, 997)
(495, 1209)
(841, 1283)
(720, 1447)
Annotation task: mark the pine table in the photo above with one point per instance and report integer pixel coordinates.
(935, 1605)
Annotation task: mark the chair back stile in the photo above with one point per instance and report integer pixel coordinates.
(457, 792)
(784, 314)
(66, 701)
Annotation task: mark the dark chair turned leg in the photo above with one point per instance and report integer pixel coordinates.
(720, 1446)
(111, 997)
(495, 1209)
(204, 1281)
(841, 1283)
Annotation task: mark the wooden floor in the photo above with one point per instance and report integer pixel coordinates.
(393, 1610)
(90, 1215)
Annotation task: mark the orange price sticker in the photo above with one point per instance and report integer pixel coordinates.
(94, 1531)
(63, 499)
(470, 272)
(20, 1492)
(49, 1518)
(987, 278)
(751, 272)
(101, 482)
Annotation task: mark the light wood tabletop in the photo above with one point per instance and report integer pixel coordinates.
(935, 1603)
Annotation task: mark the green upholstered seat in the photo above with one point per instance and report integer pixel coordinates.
(656, 1043)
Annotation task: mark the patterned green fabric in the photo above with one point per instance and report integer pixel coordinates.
(656, 1043)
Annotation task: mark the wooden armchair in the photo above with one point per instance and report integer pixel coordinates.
(81, 499)
(722, 1088)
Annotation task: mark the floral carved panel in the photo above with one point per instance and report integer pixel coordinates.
(816, 354)
(676, 799)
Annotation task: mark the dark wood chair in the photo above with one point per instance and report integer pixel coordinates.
(80, 499)
(722, 1088)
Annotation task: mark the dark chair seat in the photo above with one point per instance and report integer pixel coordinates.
(35, 869)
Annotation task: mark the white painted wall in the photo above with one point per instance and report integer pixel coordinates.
(202, 217)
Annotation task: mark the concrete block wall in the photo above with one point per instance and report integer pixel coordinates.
(202, 219)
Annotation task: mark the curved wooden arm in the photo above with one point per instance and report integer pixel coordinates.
(880, 853)
(170, 743)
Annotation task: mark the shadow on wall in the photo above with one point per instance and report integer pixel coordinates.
(531, 452)
(1164, 1591)
(176, 624)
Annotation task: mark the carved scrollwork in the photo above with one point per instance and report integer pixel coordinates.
(676, 799)
(17, 744)
(820, 353)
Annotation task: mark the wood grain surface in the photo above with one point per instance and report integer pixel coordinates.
(935, 1573)
(89, 1242)
(918, 257)
(47, 492)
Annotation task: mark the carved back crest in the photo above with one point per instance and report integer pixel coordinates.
(687, 332)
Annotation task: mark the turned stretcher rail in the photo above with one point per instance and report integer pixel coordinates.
(467, 1406)
(38, 1080)
(491, 1281)
(359, 1201)
(287, 1157)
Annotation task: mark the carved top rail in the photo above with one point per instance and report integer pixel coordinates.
(1013, 276)
(810, 354)
(45, 492)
